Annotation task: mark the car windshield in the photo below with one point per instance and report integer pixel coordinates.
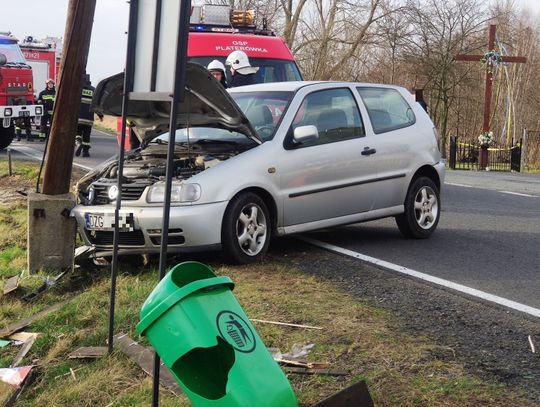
(263, 110)
(13, 53)
(270, 70)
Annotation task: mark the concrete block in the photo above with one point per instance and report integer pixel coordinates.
(51, 232)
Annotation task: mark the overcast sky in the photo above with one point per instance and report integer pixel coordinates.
(47, 18)
(42, 18)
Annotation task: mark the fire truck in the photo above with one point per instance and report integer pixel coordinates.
(44, 57)
(216, 31)
(16, 89)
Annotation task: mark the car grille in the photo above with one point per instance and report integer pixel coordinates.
(130, 192)
(175, 237)
(105, 238)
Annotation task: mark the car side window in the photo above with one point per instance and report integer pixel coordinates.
(387, 109)
(333, 112)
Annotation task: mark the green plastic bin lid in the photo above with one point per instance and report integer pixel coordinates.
(183, 279)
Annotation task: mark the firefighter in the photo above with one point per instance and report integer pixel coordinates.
(86, 119)
(23, 123)
(46, 98)
(217, 69)
(242, 71)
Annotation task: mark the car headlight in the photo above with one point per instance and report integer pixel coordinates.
(190, 193)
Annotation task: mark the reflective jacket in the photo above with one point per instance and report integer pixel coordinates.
(86, 115)
(46, 98)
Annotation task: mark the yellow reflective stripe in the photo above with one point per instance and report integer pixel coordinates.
(86, 101)
(48, 97)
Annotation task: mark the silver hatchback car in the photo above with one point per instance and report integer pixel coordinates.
(262, 161)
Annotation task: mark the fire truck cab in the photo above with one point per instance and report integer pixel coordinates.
(216, 31)
(16, 89)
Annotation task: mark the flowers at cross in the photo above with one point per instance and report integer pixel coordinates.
(486, 139)
(491, 59)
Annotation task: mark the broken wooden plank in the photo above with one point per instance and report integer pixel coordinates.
(144, 357)
(24, 349)
(285, 324)
(303, 370)
(23, 375)
(88, 352)
(356, 395)
(300, 363)
(11, 284)
(17, 326)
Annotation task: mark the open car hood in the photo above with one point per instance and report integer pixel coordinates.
(206, 104)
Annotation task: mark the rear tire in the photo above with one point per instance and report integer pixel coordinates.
(246, 229)
(422, 210)
(6, 135)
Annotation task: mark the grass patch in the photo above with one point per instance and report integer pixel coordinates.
(400, 369)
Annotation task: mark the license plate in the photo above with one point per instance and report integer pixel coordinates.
(105, 221)
(24, 113)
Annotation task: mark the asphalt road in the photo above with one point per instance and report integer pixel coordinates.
(488, 237)
(104, 146)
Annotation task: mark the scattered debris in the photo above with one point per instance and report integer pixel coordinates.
(4, 343)
(73, 374)
(49, 282)
(12, 284)
(88, 352)
(31, 338)
(285, 324)
(304, 370)
(355, 395)
(144, 357)
(17, 326)
(16, 379)
(68, 373)
(298, 351)
(533, 349)
(16, 376)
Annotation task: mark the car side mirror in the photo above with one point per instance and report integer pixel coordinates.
(3, 59)
(303, 134)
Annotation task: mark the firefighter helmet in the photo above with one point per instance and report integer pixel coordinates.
(239, 61)
(215, 65)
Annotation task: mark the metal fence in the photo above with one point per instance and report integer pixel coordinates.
(531, 150)
(465, 155)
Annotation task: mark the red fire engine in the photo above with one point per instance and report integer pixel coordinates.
(16, 89)
(44, 58)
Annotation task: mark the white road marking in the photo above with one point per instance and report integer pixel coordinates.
(494, 190)
(426, 277)
(30, 152)
(458, 185)
(518, 194)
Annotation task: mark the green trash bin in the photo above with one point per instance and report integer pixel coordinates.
(198, 328)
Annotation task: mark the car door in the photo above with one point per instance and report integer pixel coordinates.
(328, 177)
(395, 139)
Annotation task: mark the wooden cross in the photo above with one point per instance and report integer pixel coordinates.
(489, 79)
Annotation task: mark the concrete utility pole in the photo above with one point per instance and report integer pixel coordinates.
(68, 97)
(51, 231)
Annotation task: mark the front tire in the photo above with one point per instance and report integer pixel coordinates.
(422, 210)
(6, 135)
(246, 229)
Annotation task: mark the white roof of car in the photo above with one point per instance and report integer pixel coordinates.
(293, 86)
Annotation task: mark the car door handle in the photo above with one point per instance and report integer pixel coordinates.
(368, 151)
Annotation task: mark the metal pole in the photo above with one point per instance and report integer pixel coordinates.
(177, 96)
(128, 85)
(10, 172)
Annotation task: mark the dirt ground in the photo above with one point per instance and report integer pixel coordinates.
(13, 189)
(489, 340)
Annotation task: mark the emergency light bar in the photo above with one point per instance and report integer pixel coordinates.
(214, 15)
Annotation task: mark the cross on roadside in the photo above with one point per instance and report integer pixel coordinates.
(489, 78)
